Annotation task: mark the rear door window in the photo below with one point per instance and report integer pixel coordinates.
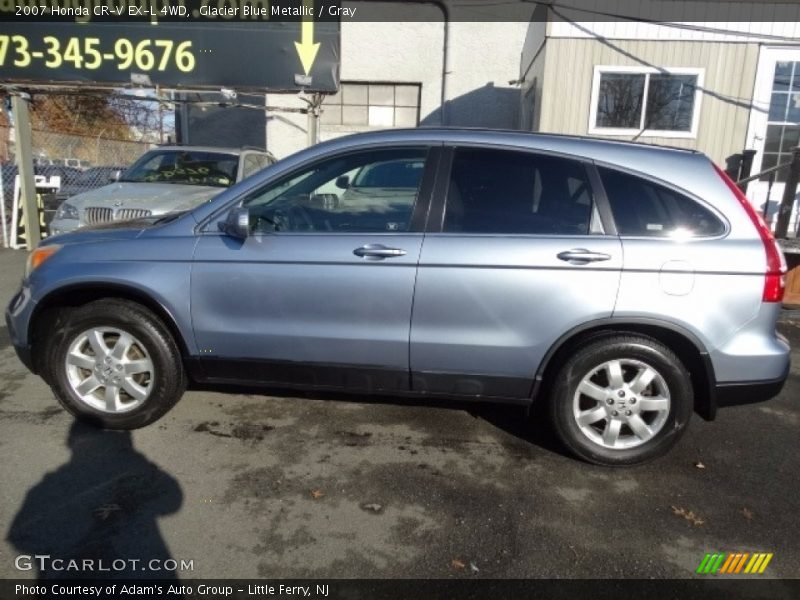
(511, 192)
(647, 209)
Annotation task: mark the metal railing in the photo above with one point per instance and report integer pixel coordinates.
(789, 189)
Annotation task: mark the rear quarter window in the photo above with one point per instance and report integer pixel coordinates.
(644, 208)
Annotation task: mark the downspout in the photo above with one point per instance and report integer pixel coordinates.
(445, 57)
(442, 6)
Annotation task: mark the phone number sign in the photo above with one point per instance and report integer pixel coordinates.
(246, 56)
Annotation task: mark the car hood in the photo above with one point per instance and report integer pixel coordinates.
(73, 190)
(159, 198)
(113, 230)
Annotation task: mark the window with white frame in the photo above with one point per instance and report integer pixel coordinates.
(373, 105)
(647, 102)
(783, 119)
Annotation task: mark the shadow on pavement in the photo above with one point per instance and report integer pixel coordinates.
(102, 505)
(528, 426)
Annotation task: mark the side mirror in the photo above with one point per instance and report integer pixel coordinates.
(115, 176)
(237, 223)
(343, 182)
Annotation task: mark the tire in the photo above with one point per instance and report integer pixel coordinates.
(610, 421)
(140, 377)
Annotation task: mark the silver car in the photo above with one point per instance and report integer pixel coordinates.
(621, 286)
(164, 180)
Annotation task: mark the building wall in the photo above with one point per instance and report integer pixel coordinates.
(393, 52)
(484, 58)
(371, 52)
(730, 70)
(531, 76)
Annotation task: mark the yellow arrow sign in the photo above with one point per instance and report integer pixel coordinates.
(306, 48)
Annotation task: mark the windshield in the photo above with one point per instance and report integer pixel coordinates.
(184, 166)
(96, 175)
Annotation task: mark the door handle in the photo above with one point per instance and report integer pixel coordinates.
(378, 252)
(581, 256)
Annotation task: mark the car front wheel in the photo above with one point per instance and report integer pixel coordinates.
(115, 364)
(621, 400)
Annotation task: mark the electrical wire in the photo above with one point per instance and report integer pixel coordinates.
(672, 24)
(89, 92)
(554, 5)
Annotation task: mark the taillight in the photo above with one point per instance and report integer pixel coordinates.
(775, 277)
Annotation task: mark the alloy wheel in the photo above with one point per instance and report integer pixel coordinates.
(109, 369)
(621, 404)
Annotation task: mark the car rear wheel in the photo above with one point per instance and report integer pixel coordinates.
(621, 400)
(116, 365)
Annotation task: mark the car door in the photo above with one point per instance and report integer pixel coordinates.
(320, 292)
(520, 252)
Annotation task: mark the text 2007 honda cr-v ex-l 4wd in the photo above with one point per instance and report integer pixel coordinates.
(623, 285)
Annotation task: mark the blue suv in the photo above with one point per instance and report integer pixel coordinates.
(625, 286)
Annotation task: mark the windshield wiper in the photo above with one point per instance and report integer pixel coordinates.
(170, 217)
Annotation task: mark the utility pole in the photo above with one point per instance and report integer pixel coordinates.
(312, 112)
(160, 122)
(312, 126)
(24, 151)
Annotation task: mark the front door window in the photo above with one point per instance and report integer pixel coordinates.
(367, 192)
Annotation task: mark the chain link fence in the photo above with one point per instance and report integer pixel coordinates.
(81, 161)
(82, 152)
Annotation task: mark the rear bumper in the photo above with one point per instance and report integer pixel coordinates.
(749, 392)
(753, 365)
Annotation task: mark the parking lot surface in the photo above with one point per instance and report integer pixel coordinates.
(257, 485)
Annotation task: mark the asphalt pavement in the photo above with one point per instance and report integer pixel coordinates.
(256, 485)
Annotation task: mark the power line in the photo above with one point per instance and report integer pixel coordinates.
(676, 25)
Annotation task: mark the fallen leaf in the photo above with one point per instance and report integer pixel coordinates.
(317, 494)
(103, 512)
(689, 515)
(457, 564)
(747, 513)
(699, 465)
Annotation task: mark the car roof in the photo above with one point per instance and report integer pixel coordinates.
(688, 167)
(687, 170)
(222, 150)
(502, 136)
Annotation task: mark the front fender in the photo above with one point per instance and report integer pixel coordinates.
(156, 273)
